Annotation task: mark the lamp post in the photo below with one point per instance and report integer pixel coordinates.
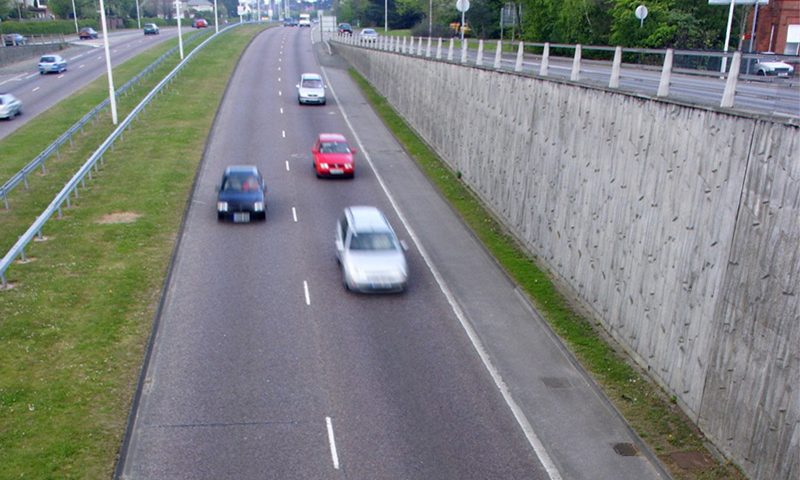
(216, 18)
(727, 38)
(138, 15)
(75, 16)
(112, 99)
(385, 16)
(430, 18)
(180, 36)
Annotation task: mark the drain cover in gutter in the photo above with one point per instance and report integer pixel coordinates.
(625, 449)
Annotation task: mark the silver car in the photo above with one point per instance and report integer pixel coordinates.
(371, 256)
(368, 34)
(52, 63)
(773, 66)
(311, 89)
(9, 106)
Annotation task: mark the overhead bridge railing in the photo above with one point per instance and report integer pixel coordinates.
(79, 179)
(21, 177)
(581, 62)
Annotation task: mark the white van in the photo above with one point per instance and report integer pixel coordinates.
(305, 20)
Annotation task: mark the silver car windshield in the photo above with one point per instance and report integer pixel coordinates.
(373, 241)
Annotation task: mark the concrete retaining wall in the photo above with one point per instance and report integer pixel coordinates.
(678, 226)
(9, 55)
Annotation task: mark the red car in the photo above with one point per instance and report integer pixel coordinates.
(200, 23)
(333, 157)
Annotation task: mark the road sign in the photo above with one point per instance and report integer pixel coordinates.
(641, 14)
(462, 5)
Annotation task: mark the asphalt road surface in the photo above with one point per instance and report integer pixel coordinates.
(263, 366)
(85, 62)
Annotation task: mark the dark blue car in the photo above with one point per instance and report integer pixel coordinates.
(241, 195)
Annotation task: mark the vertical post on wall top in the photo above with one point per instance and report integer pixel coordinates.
(544, 67)
(613, 82)
(518, 65)
(666, 74)
(576, 64)
(498, 53)
(729, 95)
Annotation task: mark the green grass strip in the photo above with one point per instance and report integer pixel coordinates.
(653, 416)
(74, 326)
(24, 144)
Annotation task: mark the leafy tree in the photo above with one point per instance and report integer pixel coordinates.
(567, 21)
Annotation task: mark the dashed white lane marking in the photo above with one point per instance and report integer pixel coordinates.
(281, 110)
(305, 290)
(533, 439)
(332, 441)
(33, 75)
(287, 165)
(37, 88)
(99, 58)
(279, 79)
(61, 76)
(279, 69)
(283, 133)
(280, 94)
(294, 215)
(82, 65)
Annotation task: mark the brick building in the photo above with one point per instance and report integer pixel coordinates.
(777, 27)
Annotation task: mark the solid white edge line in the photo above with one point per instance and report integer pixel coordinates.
(332, 443)
(533, 439)
(294, 214)
(305, 290)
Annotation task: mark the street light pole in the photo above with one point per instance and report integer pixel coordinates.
(385, 16)
(727, 38)
(112, 99)
(138, 15)
(216, 18)
(180, 35)
(75, 16)
(430, 18)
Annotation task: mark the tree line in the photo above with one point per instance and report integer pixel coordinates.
(680, 24)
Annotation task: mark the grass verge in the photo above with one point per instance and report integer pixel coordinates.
(74, 327)
(657, 420)
(24, 144)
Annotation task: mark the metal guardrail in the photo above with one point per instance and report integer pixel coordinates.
(518, 57)
(71, 187)
(39, 161)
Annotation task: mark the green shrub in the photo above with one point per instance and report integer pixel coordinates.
(48, 27)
